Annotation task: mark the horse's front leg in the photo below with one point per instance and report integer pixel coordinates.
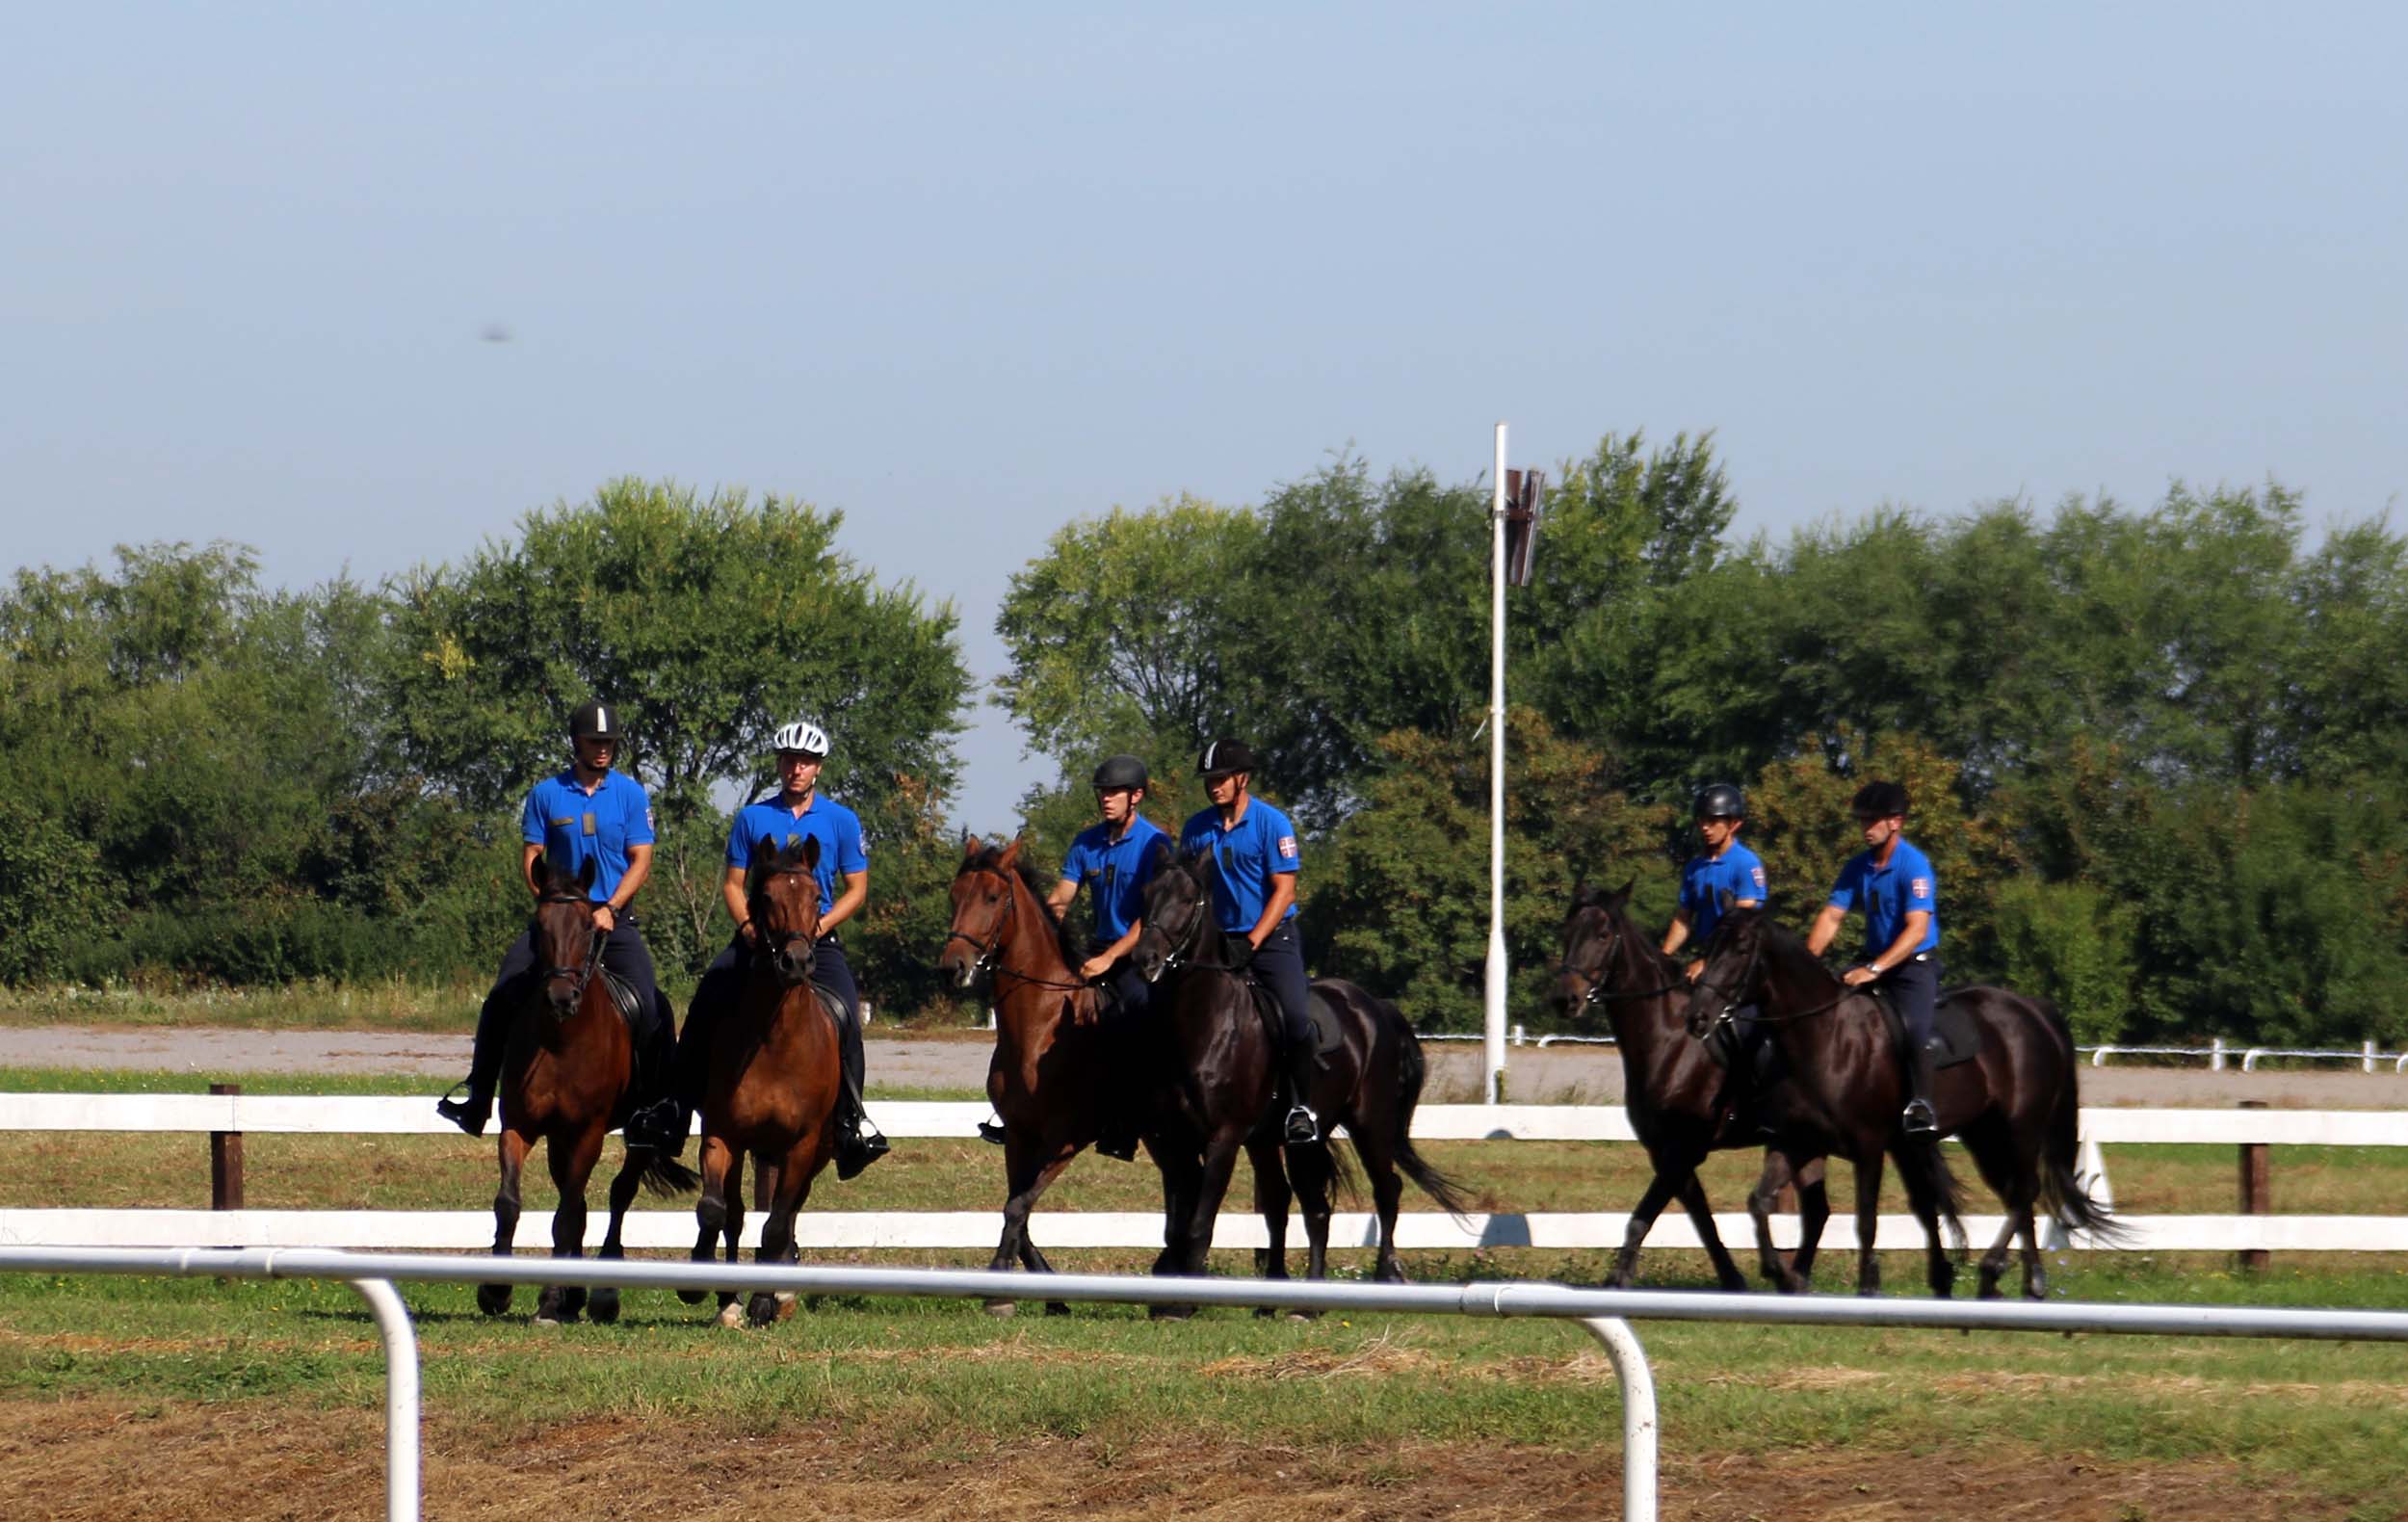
(603, 1306)
(780, 1203)
(572, 1167)
(1031, 1164)
(711, 1210)
(495, 1298)
(1659, 1188)
(1701, 1215)
(1868, 1221)
(1272, 1199)
(1212, 1186)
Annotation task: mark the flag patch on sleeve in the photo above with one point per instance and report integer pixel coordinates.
(1921, 887)
(1287, 847)
(1757, 872)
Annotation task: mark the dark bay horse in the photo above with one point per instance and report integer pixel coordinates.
(2015, 1105)
(1227, 1084)
(567, 1072)
(1677, 1096)
(1055, 1069)
(776, 1074)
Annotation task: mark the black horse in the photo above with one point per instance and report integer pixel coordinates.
(1227, 1084)
(2014, 1104)
(1680, 1101)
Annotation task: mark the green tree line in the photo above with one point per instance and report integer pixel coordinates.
(2159, 756)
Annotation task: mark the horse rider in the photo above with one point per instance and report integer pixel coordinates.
(1254, 847)
(1726, 867)
(1893, 884)
(797, 811)
(585, 813)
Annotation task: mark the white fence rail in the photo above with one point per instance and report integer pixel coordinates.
(970, 1230)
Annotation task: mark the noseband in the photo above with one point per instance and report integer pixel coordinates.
(1597, 993)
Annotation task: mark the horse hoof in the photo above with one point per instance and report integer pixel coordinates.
(693, 1296)
(1304, 1314)
(603, 1307)
(731, 1315)
(762, 1311)
(541, 1319)
(494, 1300)
(1002, 1308)
(1056, 1308)
(1169, 1313)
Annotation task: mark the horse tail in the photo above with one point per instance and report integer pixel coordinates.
(2062, 1188)
(1411, 1070)
(666, 1175)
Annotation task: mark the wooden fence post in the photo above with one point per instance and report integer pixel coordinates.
(2257, 1191)
(226, 1161)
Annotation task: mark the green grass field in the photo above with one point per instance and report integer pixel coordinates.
(2316, 1428)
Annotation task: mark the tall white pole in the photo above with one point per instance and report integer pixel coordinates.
(1497, 967)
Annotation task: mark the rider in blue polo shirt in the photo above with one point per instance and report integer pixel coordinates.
(1253, 846)
(1893, 884)
(843, 873)
(586, 812)
(1726, 867)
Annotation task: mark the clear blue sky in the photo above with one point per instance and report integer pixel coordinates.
(969, 273)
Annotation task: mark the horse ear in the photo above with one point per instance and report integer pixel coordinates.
(811, 850)
(970, 845)
(1622, 895)
(1727, 899)
(586, 871)
(1010, 855)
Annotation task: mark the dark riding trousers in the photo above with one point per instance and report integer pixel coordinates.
(1279, 963)
(1914, 986)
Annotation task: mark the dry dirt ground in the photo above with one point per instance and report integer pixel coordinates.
(1584, 1074)
(87, 1461)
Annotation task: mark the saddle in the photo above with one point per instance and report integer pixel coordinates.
(1741, 1043)
(1327, 1033)
(1954, 1038)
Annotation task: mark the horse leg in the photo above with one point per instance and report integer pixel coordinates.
(1701, 1215)
(1312, 1172)
(711, 1210)
(495, 1298)
(1212, 1186)
(1660, 1187)
(1027, 1171)
(1783, 1274)
(1180, 1182)
(571, 1168)
(1272, 1199)
(1938, 1270)
(732, 1235)
(603, 1305)
(1814, 1212)
(793, 1181)
(1868, 1221)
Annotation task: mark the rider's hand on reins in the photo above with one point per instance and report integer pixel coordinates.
(603, 919)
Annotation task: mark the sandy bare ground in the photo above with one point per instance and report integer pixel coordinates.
(1555, 1074)
(114, 1460)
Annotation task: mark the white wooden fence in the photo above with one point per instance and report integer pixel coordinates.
(823, 1229)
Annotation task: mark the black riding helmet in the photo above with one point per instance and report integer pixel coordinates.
(1120, 771)
(597, 720)
(1721, 800)
(1879, 800)
(1224, 756)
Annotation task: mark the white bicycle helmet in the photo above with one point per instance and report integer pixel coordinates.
(807, 738)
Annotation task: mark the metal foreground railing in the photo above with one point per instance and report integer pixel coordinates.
(1606, 1314)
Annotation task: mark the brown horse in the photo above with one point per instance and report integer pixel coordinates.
(1055, 1069)
(1680, 1101)
(568, 1070)
(775, 1075)
(1228, 1083)
(2015, 1104)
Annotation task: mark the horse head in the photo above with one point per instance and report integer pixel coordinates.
(782, 894)
(1593, 935)
(565, 935)
(982, 910)
(1178, 905)
(1735, 967)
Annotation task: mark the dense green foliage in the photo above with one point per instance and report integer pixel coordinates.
(2159, 758)
(216, 781)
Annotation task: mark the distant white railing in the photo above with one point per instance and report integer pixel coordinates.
(2368, 1056)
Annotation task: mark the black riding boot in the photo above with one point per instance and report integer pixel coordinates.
(1303, 1127)
(659, 1120)
(472, 1111)
(855, 1149)
(1919, 1117)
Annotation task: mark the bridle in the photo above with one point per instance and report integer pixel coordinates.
(1597, 993)
(986, 949)
(769, 943)
(578, 977)
(1180, 952)
(1746, 980)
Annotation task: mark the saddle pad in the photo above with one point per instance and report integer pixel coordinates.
(1954, 1038)
(1328, 1034)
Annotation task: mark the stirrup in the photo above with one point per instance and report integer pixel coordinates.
(858, 1152)
(1918, 1118)
(660, 1125)
(991, 1129)
(1303, 1126)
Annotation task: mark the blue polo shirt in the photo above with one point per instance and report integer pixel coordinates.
(1116, 872)
(1261, 847)
(573, 825)
(1887, 893)
(836, 827)
(1706, 879)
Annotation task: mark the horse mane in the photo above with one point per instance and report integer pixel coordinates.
(1067, 938)
(1601, 900)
